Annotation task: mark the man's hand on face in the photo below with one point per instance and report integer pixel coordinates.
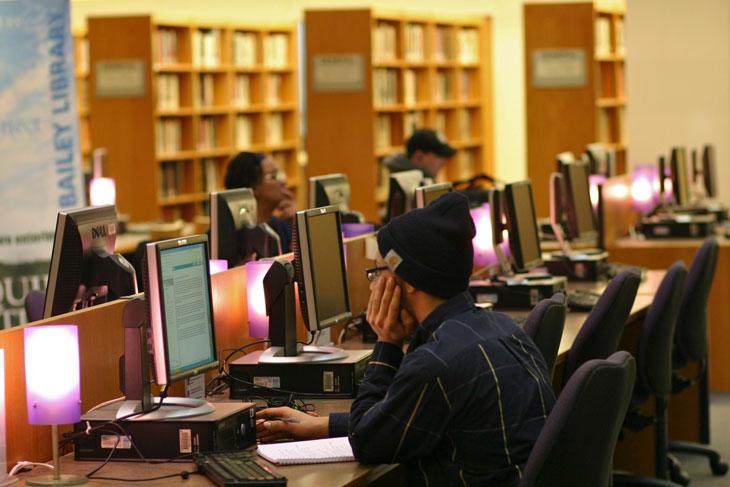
(389, 321)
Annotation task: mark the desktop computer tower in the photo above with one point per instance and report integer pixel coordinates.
(518, 293)
(232, 426)
(679, 226)
(578, 266)
(326, 380)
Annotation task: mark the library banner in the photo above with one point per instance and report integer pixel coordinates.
(40, 166)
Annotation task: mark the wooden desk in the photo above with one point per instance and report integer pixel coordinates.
(660, 254)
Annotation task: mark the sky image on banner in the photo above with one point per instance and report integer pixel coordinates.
(40, 164)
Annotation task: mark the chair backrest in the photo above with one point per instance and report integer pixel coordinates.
(34, 303)
(545, 325)
(575, 447)
(691, 334)
(654, 357)
(600, 334)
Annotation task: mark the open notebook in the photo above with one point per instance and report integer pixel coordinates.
(313, 451)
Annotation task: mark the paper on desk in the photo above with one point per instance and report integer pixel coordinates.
(313, 451)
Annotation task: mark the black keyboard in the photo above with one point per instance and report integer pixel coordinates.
(237, 468)
(582, 300)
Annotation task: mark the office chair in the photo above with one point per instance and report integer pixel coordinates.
(34, 303)
(545, 325)
(575, 447)
(600, 334)
(690, 342)
(654, 372)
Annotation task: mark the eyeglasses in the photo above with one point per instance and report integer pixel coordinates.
(373, 273)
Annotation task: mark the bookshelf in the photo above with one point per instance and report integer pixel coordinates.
(204, 93)
(416, 71)
(81, 55)
(569, 115)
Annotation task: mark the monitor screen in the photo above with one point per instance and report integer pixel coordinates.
(319, 261)
(581, 221)
(426, 194)
(522, 225)
(233, 215)
(330, 189)
(679, 172)
(180, 308)
(84, 269)
(709, 170)
(402, 192)
(602, 159)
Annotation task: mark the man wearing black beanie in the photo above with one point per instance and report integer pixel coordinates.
(467, 401)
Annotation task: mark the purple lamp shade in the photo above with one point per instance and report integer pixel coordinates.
(483, 248)
(52, 374)
(217, 265)
(356, 229)
(258, 321)
(644, 187)
(102, 191)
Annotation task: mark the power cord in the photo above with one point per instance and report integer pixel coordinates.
(26, 465)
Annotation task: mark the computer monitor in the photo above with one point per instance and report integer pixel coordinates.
(581, 221)
(84, 269)
(426, 194)
(401, 195)
(179, 309)
(602, 159)
(319, 271)
(679, 175)
(564, 158)
(330, 189)
(522, 226)
(709, 170)
(233, 216)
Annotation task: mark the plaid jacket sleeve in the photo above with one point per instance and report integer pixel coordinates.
(401, 409)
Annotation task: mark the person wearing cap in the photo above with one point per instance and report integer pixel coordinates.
(274, 201)
(468, 399)
(426, 150)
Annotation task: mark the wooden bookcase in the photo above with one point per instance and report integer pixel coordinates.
(566, 118)
(209, 91)
(416, 71)
(81, 56)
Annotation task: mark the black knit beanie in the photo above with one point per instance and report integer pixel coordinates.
(430, 248)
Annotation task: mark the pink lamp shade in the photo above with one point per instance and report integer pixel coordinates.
(484, 254)
(356, 229)
(644, 187)
(594, 180)
(217, 265)
(258, 322)
(52, 375)
(102, 191)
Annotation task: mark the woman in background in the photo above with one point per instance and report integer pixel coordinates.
(275, 201)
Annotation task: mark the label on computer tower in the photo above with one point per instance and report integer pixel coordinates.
(117, 442)
(185, 440)
(662, 230)
(328, 381)
(534, 296)
(270, 382)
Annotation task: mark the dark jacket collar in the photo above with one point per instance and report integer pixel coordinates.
(458, 304)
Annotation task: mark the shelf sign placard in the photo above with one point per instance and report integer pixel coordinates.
(120, 78)
(559, 68)
(338, 72)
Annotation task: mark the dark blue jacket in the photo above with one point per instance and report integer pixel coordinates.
(463, 406)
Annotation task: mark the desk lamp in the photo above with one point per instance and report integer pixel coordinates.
(102, 191)
(356, 229)
(595, 180)
(52, 382)
(217, 265)
(484, 254)
(258, 321)
(644, 188)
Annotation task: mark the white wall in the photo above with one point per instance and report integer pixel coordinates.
(508, 70)
(678, 79)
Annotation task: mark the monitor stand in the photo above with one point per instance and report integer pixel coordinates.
(172, 408)
(305, 354)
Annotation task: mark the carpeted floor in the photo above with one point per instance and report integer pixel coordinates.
(698, 467)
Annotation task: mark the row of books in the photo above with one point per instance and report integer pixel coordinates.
(443, 40)
(275, 129)
(384, 125)
(602, 34)
(207, 133)
(384, 42)
(382, 131)
(243, 134)
(465, 125)
(468, 44)
(411, 122)
(168, 92)
(465, 160)
(211, 175)
(414, 42)
(171, 178)
(206, 48)
(206, 90)
(611, 125)
(276, 50)
(410, 87)
(242, 91)
(169, 135)
(385, 86)
(244, 49)
(442, 87)
(166, 46)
